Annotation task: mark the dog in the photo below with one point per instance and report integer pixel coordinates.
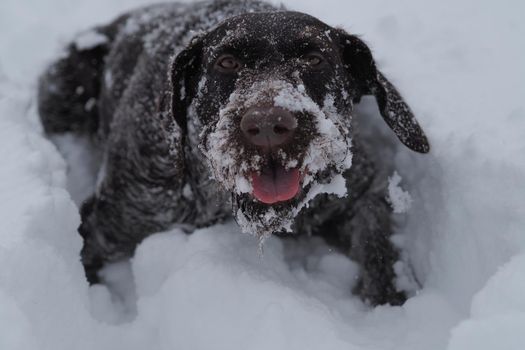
(226, 108)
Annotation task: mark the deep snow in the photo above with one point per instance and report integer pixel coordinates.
(460, 66)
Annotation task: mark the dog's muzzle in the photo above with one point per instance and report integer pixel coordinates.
(269, 128)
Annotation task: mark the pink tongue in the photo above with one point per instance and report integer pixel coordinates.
(275, 186)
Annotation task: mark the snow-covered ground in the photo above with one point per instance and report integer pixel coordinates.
(460, 65)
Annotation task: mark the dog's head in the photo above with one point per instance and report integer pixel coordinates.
(268, 99)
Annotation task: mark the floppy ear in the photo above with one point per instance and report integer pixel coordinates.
(184, 81)
(361, 66)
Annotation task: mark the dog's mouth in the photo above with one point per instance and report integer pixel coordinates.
(274, 183)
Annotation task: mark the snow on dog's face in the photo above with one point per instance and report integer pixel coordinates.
(272, 145)
(267, 98)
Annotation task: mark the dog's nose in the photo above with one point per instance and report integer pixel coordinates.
(268, 126)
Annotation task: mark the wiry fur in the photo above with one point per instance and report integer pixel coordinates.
(167, 127)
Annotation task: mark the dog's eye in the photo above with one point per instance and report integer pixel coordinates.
(312, 59)
(227, 64)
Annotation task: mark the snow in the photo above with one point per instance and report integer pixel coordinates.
(498, 312)
(89, 40)
(399, 199)
(460, 67)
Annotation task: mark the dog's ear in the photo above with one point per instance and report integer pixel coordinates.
(184, 80)
(361, 66)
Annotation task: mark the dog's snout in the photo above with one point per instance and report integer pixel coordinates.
(268, 127)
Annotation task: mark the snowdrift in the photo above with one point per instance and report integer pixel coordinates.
(459, 65)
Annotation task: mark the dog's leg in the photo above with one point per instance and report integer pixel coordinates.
(363, 233)
(362, 230)
(100, 243)
(370, 229)
(113, 224)
(129, 205)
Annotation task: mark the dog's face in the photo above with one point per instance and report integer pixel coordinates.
(268, 99)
